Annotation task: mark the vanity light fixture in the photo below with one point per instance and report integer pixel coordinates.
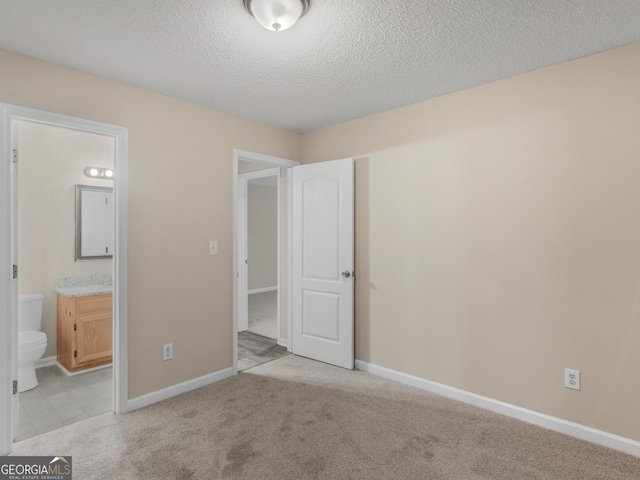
(95, 172)
(276, 15)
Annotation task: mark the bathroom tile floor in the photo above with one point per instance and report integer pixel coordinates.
(59, 400)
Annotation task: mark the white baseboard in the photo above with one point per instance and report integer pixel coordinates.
(47, 361)
(262, 290)
(582, 432)
(172, 391)
(79, 372)
(284, 342)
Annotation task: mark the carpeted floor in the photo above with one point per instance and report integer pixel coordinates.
(263, 311)
(294, 418)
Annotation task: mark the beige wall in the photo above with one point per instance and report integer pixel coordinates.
(262, 242)
(51, 161)
(180, 178)
(498, 238)
(245, 166)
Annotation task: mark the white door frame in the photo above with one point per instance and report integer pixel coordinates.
(243, 244)
(237, 263)
(8, 289)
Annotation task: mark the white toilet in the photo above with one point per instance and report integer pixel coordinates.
(31, 341)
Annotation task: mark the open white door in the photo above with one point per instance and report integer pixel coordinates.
(323, 259)
(242, 307)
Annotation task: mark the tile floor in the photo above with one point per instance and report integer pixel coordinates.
(60, 400)
(254, 350)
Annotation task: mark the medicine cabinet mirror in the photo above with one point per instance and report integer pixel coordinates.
(94, 222)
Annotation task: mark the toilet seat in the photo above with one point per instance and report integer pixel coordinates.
(30, 339)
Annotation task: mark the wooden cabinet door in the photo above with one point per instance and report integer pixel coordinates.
(94, 341)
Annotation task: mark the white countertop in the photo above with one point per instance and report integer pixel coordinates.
(84, 290)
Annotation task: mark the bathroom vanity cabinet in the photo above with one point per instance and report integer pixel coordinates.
(85, 329)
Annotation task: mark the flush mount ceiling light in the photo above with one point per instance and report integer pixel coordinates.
(276, 15)
(95, 172)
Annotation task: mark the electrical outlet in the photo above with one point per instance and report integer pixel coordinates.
(572, 378)
(167, 351)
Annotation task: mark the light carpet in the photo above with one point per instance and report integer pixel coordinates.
(294, 418)
(263, 312)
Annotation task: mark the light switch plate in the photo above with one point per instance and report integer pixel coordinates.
(213, 247)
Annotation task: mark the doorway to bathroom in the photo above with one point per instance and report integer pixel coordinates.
(50, 156)
(52, 167)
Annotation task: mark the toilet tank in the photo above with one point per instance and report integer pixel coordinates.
(30, 312)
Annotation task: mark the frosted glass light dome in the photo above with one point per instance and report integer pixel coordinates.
(277, 15)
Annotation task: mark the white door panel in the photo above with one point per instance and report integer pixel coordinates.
(320, 314)
(320, 228)
(322, 250)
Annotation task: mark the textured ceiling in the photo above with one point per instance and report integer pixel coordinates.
(345, 59)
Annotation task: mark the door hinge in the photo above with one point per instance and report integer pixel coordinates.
(15, 271)
(75, 354)
(15, 387)
(106, 249)
(14, 158)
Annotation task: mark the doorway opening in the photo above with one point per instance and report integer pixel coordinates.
(316, 256)
(261, 257)
(43, 157)
(67, 388)
(259, 330)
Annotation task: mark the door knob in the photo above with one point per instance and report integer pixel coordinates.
(346, 274)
